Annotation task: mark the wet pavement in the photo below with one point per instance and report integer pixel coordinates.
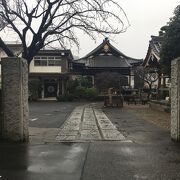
(42, 162)
(148, 153)
(50, 114)
(131, 161)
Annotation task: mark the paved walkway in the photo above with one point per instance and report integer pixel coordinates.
(88, 123)
(150, 155)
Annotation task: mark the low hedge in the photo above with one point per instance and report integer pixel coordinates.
(80, 93)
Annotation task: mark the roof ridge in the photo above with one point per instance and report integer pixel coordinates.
(106, 41)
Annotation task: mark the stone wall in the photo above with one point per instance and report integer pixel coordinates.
(175, 99)
(15, 99)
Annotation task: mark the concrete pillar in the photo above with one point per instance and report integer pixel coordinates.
(42, 92)
(175, 99)
(58, 86)
(93, 81)
(15, 99)
(129, 80)
(62, 87)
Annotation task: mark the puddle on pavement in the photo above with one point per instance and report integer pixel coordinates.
(47, 114)
(125, 150)
(66, 166)
(140, 177)
(53, 161)
(33, 119)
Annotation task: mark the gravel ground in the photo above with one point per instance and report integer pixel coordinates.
(161, 119)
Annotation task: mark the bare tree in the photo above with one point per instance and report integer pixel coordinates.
(39, 23)
(3, 24)
(148, 74)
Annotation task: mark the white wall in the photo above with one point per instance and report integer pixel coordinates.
(44, 69)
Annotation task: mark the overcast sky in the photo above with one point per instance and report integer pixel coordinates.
(146, 18)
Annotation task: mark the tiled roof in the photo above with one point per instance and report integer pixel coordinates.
(155, 44)
(112, 58)
(107, 61)
(153, 53)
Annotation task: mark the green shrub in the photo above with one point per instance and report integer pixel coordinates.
(64, 98)
(70, 97)
(85, 82)
(72, 85)
(61, 98)
(91, 93)
(80, 92)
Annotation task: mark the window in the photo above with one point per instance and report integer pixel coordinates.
(43, 57)
(36, 62)
(40, 63)
(70, 66)
(47, 61)
(51, 57)
(51, 63)
(58, 57)
(37, 57)
(57, 62)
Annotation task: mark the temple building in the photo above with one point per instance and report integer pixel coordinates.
(104, 58)
(152, 59)
(52, 68)
(153, 54)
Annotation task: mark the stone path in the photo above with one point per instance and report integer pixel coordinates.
(88, 123)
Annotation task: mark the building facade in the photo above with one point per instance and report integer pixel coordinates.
(152, 59)
(52, 69)
(104, 58)
(49, 68)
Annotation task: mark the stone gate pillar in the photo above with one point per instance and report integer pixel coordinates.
(175, 99)
(15, 99)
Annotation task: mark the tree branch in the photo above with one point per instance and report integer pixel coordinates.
(6, 49)
(57, 21)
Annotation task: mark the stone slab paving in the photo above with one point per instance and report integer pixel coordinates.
(88, 123)
(108, 130)
(89, 129)
(70, 129)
